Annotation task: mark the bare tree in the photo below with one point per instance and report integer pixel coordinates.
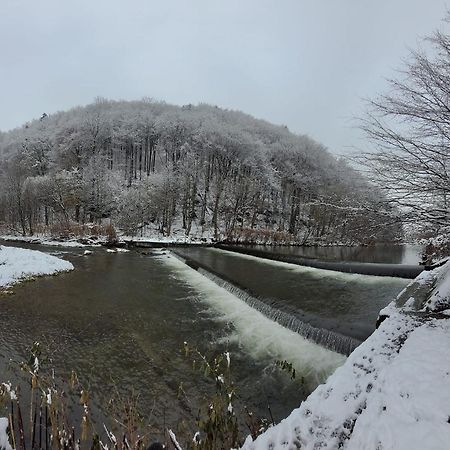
(410, 127)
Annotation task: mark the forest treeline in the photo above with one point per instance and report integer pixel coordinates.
(147, 166)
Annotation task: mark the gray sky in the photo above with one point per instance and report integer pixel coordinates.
(303, 63)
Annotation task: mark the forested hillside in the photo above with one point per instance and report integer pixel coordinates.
(148, 167)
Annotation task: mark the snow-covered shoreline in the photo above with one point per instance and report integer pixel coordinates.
(51, 242)
(154, 239)
(80, 242)
(18, 264)
(392, 392)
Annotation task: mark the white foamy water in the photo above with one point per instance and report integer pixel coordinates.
(259, 336)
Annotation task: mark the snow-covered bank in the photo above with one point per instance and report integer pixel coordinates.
(17, 264)
(164, 240)
(83, 241)
(51, 242)
(152, 235)
(393, 392)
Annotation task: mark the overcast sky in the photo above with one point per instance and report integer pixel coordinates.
(303, 63)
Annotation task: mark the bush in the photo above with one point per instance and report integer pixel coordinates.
(54, 414)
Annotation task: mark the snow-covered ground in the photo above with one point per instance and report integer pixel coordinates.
(177, 237)
(172, 239)
(47, 240)
(17, 264)
(150, 233)
(393, 392)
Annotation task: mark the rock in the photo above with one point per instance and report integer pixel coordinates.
(156, 446)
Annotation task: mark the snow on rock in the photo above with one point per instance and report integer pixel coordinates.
(4, 442)
(17, 264)
(393, 392)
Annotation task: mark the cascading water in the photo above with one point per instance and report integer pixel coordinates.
(326, 338)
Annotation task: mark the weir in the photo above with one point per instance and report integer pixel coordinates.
(375, 269)
(326, 338)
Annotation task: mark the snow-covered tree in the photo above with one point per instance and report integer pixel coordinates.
(146, 163)
(410, 127)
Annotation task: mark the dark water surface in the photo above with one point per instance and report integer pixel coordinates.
(121, 319)
(345, 303)
(380, 253)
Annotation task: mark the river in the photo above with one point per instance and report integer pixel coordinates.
(379, 253)
(121, 319)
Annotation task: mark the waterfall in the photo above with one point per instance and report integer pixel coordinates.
(374, 269)
(326, 338)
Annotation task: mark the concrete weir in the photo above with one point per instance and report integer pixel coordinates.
(376, 269)
(326, 338)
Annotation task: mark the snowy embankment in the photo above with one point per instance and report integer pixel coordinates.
(165, 240)
(51, 242)
(17, 264)
(98, 241)
(151, 234)
(393, 392)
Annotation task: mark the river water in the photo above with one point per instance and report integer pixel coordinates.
(380, 253)
(345, 303)
(121, 319)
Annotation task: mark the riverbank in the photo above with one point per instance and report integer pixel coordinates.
(76, 242)
(98, 241)
(17, 264)
(393, 391)
(95, 235)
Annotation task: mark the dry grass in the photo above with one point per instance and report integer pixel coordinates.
(54, 414)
